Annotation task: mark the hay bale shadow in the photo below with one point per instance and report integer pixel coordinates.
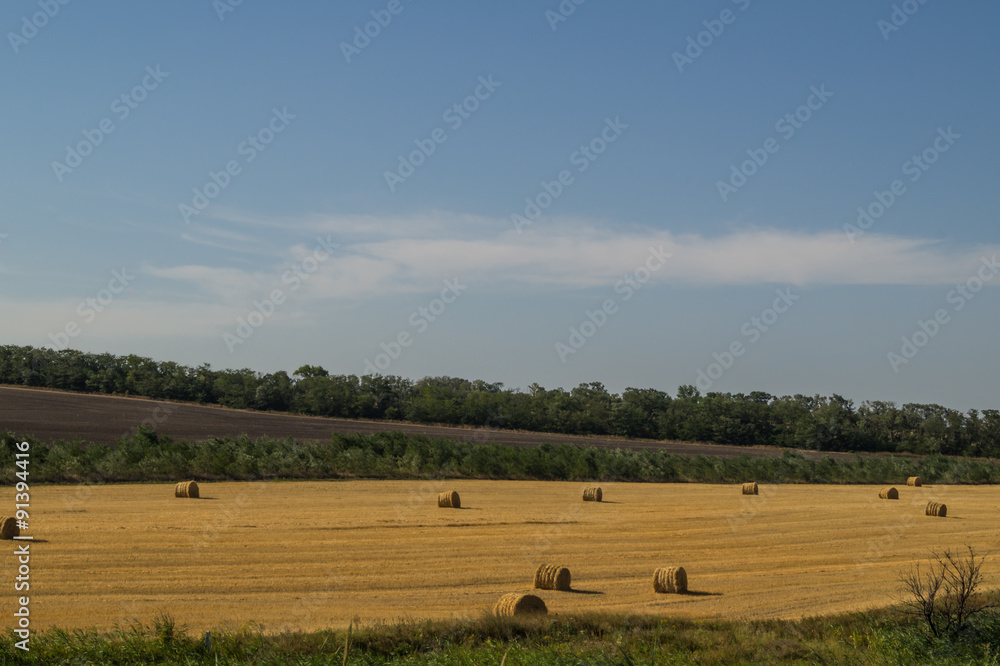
(576, 591)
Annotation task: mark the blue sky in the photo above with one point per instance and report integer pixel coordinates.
(118, 115)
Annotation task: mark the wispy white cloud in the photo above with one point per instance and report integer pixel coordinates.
(770, 256)
(192, 299)
(389, 255)
(223, 239)
(429, 224)
(228, 284)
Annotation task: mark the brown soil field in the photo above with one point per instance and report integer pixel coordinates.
(51, 415)
(308, 555)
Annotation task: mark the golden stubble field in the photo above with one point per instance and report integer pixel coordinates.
(308, 555)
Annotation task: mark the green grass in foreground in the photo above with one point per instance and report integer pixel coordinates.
(881, 637)
(147, 456)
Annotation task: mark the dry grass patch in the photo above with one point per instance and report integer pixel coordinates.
(262, 552)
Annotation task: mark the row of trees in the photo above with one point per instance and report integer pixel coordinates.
(756, 419)
(148, 456)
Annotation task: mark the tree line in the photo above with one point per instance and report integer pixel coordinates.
(825, 423)
(147, 456)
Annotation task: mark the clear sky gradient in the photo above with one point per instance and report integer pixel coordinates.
(520, 192)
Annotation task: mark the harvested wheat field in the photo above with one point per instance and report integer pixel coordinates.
(306, 555)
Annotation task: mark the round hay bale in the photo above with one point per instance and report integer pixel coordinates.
(552, 577)
(450, 500)
(914, 481)
(670, 580)
(186, 489)
(515, 603)
(936, 509)
(8, 528)
(889, 493)
(592, 494)
(750, 488)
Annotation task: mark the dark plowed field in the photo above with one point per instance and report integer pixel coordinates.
(52, 415)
